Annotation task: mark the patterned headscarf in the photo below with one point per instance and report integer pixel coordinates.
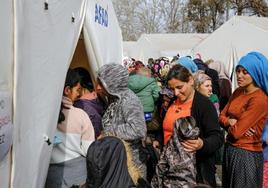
(199, 78)
(176, 167)
(128, 62)
(257, 66)
(160, 68)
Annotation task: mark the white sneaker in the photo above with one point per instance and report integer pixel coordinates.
(218, 180)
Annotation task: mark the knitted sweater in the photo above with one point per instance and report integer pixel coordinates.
(250, 111)
(124, 116)
(75, 133)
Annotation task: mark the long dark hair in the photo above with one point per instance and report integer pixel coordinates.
(71, 80)
(85, 79)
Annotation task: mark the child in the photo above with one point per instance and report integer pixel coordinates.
(74, 134)
(146, 88)
(89, 101)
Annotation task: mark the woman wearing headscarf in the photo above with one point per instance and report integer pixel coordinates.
(107, 164)
(213, 74)
(188, 63)
(203, 85)
(225, 84)
(243, 118)
(124, 116)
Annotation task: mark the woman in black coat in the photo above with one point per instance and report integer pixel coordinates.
(190, 102)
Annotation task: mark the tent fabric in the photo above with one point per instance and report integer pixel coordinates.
(6, 58)
(6, 52)
(102, 47)
(234, 39)
(35, 55)
(158, 45)
(45, 43)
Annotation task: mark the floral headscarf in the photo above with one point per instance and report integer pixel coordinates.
(128, 62)
(160, 68)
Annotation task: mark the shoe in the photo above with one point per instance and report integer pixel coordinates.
(218, 181)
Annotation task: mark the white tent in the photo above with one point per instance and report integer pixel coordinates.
(234, 39)
(130, 49)
(38, 40)
(6, 59)
(158, 45)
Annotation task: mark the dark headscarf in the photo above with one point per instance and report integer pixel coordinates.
(107, 164)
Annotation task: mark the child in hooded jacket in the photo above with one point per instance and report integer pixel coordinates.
(146, 88)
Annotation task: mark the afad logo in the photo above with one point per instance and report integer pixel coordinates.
(101, 15)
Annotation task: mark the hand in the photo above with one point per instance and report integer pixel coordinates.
(100, 136)
(193, 145)
(232, 121)
(250, 132)
(156, 144)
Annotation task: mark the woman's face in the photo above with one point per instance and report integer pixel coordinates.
(74, 92)
(206, 88)
(101, 90)
(182, 90)
(243, 77)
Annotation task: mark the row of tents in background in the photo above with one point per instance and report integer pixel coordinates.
(41, 39)
(235, 38)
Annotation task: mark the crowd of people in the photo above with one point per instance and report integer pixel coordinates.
(163, 123)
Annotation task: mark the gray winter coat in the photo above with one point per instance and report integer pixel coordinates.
(124, 116)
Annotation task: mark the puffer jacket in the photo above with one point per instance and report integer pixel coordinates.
(146, 89)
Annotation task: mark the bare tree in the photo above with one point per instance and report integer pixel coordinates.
(217, 9)
(259, 7)
(171, 12)
(171, 16)
(150, 16)
(139, 16)
(239, 5)
(197, 14)
(249, 7)
(125, 11)
(205, 16)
